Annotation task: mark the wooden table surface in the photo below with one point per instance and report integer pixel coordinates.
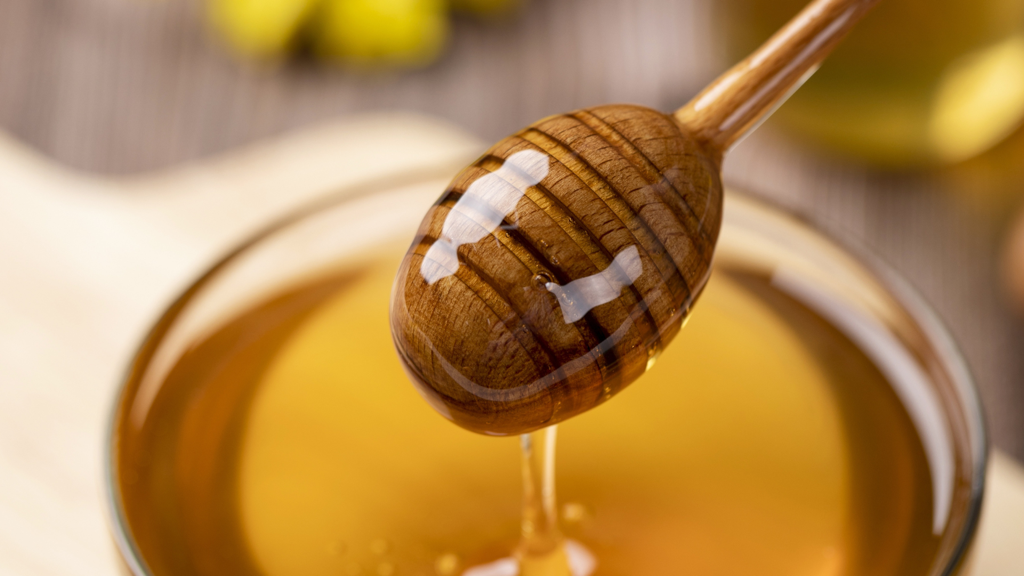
(122, 88)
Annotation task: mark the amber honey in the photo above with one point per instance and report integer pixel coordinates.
(765, 440)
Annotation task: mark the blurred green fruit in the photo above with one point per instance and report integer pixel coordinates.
(260, 28)
(364, 33)
(380, 32)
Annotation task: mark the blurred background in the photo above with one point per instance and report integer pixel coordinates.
(907, 141)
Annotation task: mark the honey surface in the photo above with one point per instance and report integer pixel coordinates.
(291, 443)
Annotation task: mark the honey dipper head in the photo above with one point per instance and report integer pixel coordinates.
(555, 268)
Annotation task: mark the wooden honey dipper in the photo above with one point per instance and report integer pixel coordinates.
(555, 269)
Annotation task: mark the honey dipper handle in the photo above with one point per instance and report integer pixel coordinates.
(749, 92)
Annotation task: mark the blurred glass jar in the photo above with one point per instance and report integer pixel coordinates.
(917, 82)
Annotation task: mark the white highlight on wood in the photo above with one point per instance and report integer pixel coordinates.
(581, 296)
(481, 209)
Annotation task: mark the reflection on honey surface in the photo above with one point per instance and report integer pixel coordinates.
(762, 442)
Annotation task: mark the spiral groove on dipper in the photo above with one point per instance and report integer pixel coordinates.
(627, 199)
(555, 269)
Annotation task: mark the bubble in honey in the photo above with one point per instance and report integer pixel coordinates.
(542, 279)
(446, 564)
(337, 548)
(652, 357)
(385, 569)
(573, 512)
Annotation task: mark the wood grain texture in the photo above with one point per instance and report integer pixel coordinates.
(634, 203)
(491, 314)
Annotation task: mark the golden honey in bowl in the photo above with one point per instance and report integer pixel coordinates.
(772, 438)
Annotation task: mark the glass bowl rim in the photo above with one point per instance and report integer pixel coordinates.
(898, 288)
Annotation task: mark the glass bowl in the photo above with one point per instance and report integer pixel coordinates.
(851, 290)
